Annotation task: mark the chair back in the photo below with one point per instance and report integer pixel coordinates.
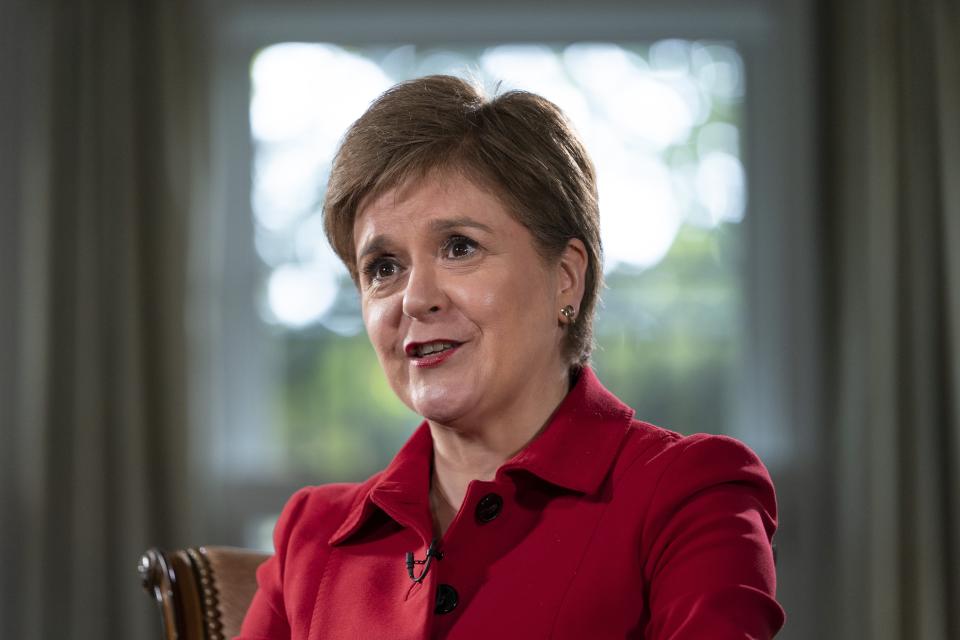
(203, 592)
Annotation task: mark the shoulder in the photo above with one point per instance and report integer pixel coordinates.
(316, 500)
(315, 512)
(706, 525)
(652, 450)
(668, 473)
(286, 580)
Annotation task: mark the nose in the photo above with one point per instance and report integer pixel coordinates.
(423, 294)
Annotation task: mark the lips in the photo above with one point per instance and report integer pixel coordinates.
(431, 353)
(421, 349)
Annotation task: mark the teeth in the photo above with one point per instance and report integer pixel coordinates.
(433, 347)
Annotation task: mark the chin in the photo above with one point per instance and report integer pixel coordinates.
(444, 406)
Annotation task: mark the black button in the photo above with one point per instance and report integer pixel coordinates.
(446, 599)
(489, 507)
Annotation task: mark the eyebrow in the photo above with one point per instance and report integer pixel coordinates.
(379, 243)
(376, 245)
(446, 224)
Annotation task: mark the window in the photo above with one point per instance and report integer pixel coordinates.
(703, 154)
(661, 123)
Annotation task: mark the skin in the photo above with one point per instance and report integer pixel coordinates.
(443, 259)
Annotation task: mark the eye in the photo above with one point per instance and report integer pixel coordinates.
(380, 269)
(385, 270)
(458, 247)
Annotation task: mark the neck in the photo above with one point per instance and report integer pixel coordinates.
(466, 452)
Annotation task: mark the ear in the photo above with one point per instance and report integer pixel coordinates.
(573, 273)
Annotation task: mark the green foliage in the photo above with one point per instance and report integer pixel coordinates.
(668, 337)
(336, 412)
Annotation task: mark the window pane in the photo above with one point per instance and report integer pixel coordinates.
(662, 123)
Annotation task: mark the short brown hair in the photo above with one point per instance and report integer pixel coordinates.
(518, 144)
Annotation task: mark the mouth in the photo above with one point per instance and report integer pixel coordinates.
(432, 353)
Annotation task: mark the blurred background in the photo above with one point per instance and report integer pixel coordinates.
(180, 350)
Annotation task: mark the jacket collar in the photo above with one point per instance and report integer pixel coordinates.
(575, 451)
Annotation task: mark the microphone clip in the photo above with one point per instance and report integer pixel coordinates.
(432, 553)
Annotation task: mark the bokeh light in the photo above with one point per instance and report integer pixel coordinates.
(652, 118)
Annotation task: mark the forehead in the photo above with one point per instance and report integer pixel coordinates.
(434, 202)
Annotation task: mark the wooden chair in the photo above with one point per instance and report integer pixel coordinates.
(203, 592)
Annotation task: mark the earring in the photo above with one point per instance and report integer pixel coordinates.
(568, 313)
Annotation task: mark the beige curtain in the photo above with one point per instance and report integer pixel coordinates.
(892, 226)
(106, 96)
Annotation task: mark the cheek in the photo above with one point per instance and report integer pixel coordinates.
(529, 290)
(378, 322)
(479, 301)
(513, 307)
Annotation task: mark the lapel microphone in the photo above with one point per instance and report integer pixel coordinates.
(431, 554)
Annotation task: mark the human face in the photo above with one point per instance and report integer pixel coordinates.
(443, 266)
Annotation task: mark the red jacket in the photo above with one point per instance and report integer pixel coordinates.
(602, 527)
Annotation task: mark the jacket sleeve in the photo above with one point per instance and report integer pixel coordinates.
(266, 618)
(709, 561)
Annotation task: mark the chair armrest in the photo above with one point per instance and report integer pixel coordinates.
(203, 592)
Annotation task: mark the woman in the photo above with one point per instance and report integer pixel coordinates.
(529, 503)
